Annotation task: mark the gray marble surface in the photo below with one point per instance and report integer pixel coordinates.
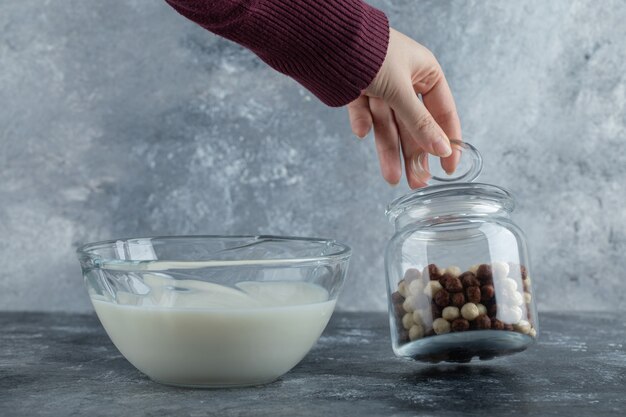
(121, 118)
(63, 364)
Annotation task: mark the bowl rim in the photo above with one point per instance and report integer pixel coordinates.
(87, 250)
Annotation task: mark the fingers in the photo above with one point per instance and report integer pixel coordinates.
(387, 140)
(440, 103)
(410, 150)
(360, 116)
(420, 125)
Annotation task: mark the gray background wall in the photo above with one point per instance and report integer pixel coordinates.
(121, 118)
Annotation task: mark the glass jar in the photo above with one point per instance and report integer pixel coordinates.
(458, 273)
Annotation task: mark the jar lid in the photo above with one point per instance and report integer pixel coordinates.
(429, 170)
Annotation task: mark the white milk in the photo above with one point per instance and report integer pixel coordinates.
(211, 335)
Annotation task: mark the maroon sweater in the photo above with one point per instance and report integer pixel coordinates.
(334, 48)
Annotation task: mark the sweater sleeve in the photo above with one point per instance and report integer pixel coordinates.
(334, 48)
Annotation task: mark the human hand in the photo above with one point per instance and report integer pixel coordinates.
(403, 122)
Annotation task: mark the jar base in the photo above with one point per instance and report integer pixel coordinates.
(462, 347)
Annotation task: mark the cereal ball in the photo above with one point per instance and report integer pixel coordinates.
(473, 294)
(460, 325)
(526, 284)
(457, 299)
(509, 314)
(527, 297)
(496, 324)
(411, 275)
(468, 279)
(402, 288)
(410, 304)
(432, 288)
(508, 284)
(516, 298)
(452, 284)
(492, 311)
(532, 333)
(441, 326)
(435, 311)
(482, 322)
(500, 270)
(522, 326)
(450, 313)
(474, 268)
(469, 311)
(403, 336)
(418, 317)
(407, 321)
(455, 271)
(396, 297)
(432, 272)
(481, 309)
(416, 287)
(484, 274)
(486, 292)
(416, 332)
(523, 272)
(508, 327)
(442, 298)
(398, 310)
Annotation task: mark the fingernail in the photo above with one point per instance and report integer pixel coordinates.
(442, 147)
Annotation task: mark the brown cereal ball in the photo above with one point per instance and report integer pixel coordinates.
(468, 279)
(472, 295)
(433, 272)
(523, 271)
(482, 322)
(484, 274)
(396, 298)
(486, 292)
(460, 325)
(497, 324)
(492, 310)
(435, 310)
(508, 327)
(452, 284)
(398, 310)
(442, 298)
(457, 299)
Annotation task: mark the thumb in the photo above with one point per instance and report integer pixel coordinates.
(419, 123)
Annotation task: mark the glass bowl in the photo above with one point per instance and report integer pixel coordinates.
(214, 311)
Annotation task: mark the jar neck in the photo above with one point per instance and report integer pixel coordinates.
(448, 204)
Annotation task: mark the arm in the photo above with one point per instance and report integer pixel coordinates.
(334, 48)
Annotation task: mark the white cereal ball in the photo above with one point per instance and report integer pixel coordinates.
(508, 284)
(509, 314)
(416, 287)
(410, 304)
(517, 298)
(532, 332)
(481, 309)
(417, 317)
(416, 332)
(407, 321)
(402, 288)
(500, 270)
(450, 313)
(527, 297)
(432, 288)
(411, 275)
(474, 268)
(455, 271)
(470, 311)
(441, 326)
(522, 326)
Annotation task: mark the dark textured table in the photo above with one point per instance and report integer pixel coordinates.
(62, 365)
